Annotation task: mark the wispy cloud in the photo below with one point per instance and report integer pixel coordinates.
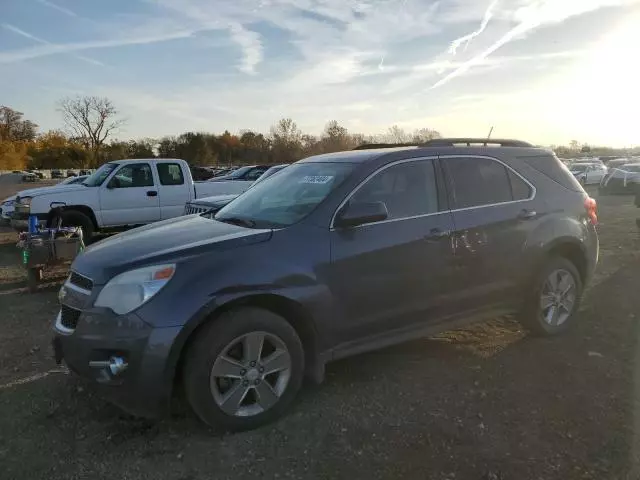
(62, 48)
(22, 33)
(64, 10)
(528, 16)
(466, 39)
(251, 46)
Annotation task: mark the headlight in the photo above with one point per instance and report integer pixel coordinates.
(24, 201)
(8, 203)
(127, 291)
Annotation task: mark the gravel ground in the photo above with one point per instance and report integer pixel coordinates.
(484, 403)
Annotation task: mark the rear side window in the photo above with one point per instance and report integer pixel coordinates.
(519, 188)
(475, 182)
(170, 174)
(407, 189)
(553, 168)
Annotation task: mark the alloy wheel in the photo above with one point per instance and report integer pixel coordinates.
(558, 297)
(250, 374)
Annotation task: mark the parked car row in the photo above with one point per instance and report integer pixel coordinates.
(210, 205)
(329, 257)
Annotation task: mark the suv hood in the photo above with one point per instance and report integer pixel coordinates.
(36, 192)
(215, 200)
(170, 240)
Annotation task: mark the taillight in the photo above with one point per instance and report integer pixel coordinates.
(591, 207)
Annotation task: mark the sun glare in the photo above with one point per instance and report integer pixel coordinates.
(604, 100)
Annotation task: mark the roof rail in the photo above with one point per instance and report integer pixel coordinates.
(450, 142)
(370, 146)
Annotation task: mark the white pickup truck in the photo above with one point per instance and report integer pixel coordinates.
(120, 194)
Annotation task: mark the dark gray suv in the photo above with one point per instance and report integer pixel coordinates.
(337, 254)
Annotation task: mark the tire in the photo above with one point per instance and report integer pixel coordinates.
(74, 218)
(227, 336)
(538, 319)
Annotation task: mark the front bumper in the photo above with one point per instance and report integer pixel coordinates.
(20, 221)
(144, 387)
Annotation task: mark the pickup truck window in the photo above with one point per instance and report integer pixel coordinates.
(170, 174)
(284, 199)
(99, 176)
(132, 175)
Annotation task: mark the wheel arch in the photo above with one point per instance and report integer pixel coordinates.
(574, 251)
(88, 211)
(292, 311)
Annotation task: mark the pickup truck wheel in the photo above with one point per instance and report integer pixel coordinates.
(74, 218)
(244, 369)
(554, 300)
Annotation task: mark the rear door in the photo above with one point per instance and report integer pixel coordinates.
(394, 273)
(130, 196)
(493, 212)
(174, 189)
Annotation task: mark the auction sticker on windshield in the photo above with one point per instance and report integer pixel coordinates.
(321, 179)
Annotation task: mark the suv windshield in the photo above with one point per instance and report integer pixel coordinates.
(99, 176)
(286, 198)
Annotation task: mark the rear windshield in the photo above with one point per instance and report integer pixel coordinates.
(552, 167)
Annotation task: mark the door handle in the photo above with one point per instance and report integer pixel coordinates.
(527, 214)
(152, 193)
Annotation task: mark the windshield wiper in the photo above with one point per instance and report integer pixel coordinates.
(242, 222)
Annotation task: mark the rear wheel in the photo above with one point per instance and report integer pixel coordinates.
(555, 298)
(244, 369)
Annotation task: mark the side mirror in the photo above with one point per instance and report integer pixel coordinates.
(359, 213)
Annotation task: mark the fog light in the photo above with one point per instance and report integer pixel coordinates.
(116, 365)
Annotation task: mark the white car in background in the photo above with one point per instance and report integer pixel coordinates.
(6, 210)
(588, 173)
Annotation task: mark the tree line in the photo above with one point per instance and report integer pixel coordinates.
(90, 123)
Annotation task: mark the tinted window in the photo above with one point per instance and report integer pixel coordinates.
(170, 174)
(134, 175)
(519, 188)
(407, 189)
(477, 181)
(552, 167)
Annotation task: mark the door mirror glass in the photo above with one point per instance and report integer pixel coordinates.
(359, 213)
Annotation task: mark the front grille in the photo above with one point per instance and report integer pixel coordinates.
(69, 317)
(80, 281)
(191, 209)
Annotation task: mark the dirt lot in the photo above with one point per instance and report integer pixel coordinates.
(485, 403)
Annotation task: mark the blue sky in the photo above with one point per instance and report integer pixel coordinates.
(546, 71)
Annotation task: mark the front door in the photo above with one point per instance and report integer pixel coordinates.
(393, 273)
(130, 196)
(493, 212)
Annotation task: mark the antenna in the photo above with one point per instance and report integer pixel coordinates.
(490, 132)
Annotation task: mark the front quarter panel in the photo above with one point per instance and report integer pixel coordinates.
(87, 196)
(285, 266)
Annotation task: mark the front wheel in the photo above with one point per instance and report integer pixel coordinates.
(244, 369)
(74, 218)
(555, 298)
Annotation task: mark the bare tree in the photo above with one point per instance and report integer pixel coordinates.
(92, 119)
